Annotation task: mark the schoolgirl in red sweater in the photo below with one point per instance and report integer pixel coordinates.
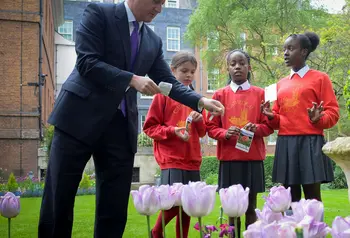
(242, 110)
(176, 150)
(305, 106)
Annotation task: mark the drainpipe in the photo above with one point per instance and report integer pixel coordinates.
(41, 76)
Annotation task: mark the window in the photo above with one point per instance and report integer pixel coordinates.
(211, 141)
(142, 120)
(213, 80)
(118, 1)
(271, 140)
(243, 41)
(66, 30)
(173, 38)
(172, 3)
(135, 175)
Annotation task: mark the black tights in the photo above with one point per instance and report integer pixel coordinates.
(311, 191)
(250, 215)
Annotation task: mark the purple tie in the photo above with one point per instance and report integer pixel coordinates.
(134, 40)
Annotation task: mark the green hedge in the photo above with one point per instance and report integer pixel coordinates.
(210, 168)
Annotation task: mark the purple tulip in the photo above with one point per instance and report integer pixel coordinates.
(310, 207)
(279, 199)
(146, 200)
(177, 190)
(234, 200)
(198, 199)
(166, 196)
(9, 205)
(260, 229)
(341, 227)
(267, 215)
(313, 228)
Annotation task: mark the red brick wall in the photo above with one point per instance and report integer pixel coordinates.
(19, 65)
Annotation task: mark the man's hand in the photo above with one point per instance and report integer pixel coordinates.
(144, 85)
(182, 133)
(196, 116)
(316, 112)
(233, 130)
(213, 106)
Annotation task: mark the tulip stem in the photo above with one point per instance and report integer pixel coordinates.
(221, 214)
(283, 214)
(180, 218)
(235, 221)
(9, 227)
(148, 228)
(163, 223)
(200, 227)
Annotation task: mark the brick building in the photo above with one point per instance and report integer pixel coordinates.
(27, 76)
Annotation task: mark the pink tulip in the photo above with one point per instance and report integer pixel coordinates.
(198, 199)
(279, 199)
(177, 190)
(310, 207)
(234, 200)
(313, 228)
(260, 229)
(9, 205)
(267, 215)
(166, 196)
(146, 200)
(341, 227)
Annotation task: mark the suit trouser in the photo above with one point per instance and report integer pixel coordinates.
(113, 160)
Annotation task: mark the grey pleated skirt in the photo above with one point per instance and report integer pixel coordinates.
(247, 173)
(300, 160)
(170, 176)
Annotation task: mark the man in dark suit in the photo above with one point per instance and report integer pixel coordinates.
(96, 114)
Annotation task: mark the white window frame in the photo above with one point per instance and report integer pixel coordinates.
(141, 121)
(95, 1)
(270, 141)
(66, 33)
(215, 72)
(177, 5)
(173, 39)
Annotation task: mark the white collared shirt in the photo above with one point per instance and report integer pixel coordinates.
(131, 18)
(244, 86)
(301, 72)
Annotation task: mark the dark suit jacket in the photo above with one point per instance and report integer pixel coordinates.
(91, 95)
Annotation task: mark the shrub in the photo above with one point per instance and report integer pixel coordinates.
(85, 183)
(144, 141)
(12, 185)
(210, 165)
(48, 138)
(212, 179)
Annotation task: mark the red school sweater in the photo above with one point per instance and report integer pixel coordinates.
(170, 151)
(295, 95)
(240, 108)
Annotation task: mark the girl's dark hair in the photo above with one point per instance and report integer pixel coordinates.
(248, 59)
(182, 57)
(308, 40)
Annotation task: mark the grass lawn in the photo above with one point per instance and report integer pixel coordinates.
(25, 225)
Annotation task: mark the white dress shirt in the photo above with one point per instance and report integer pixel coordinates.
(244, 86)
(301, 72)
